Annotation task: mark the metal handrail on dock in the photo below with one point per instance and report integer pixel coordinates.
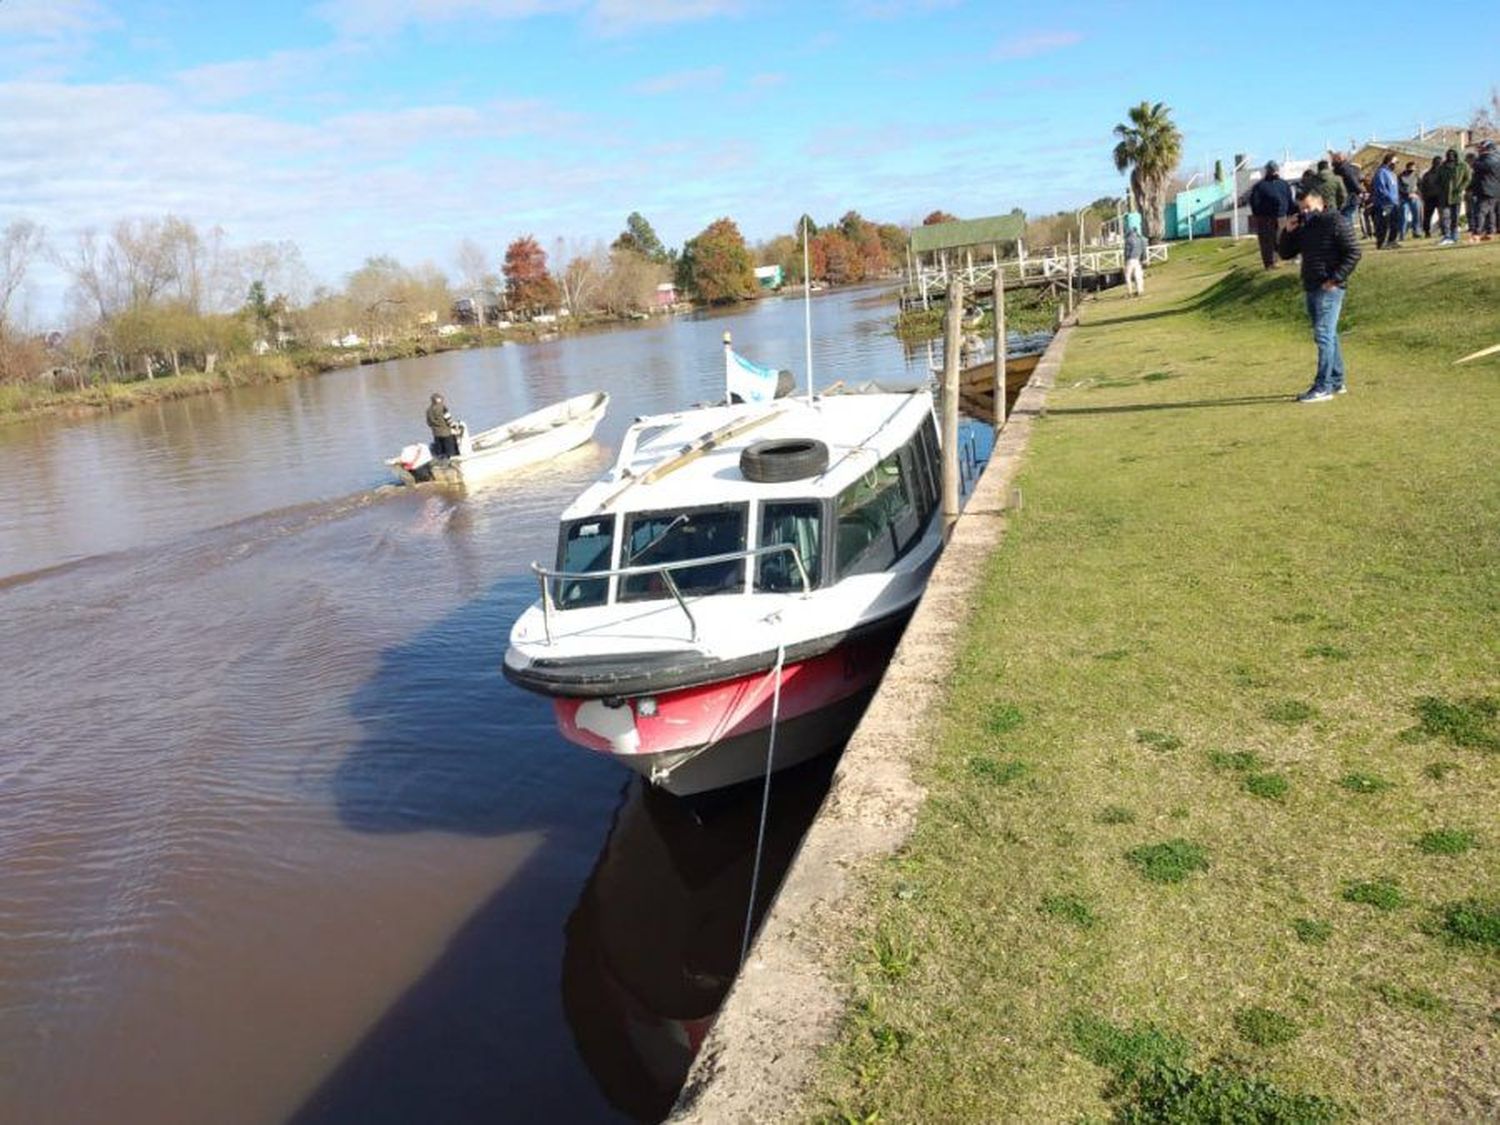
(546, 576)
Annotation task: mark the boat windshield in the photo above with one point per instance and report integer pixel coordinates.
(652, 538)
(798, 523)
(584, 545)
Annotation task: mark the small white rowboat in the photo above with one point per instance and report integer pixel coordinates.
(538, 436)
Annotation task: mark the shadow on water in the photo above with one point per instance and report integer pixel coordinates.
(520, 1007)
(448, 745)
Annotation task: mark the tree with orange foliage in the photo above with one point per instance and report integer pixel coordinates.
(530, 287)
(939, 217)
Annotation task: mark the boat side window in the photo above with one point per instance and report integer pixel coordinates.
(798, 523)
(584, 545)
(877, 519)
(652, 538)
(925, 467)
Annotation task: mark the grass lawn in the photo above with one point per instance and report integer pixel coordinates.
(1213, 819)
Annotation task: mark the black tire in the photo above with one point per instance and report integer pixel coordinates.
(783, 459)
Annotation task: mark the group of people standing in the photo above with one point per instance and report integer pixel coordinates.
(1392, 203)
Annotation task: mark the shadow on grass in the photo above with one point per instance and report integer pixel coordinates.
(1193, 404)
(1241, 290)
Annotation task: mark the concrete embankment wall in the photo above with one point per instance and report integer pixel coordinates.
(788, 998)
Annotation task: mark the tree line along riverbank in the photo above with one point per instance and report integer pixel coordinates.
(1210, 825)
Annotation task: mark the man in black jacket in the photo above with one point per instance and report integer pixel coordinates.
(1329, 251)
(1350, 176)
(1431, 196)
(445, 429)
(1487, 192)
(1271, 205)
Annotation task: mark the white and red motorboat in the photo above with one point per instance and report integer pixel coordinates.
(731, 547)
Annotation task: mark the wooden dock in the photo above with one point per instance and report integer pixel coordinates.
(927, 280)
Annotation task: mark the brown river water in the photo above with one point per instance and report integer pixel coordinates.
(277, 840)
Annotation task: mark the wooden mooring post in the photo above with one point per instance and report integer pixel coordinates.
(1000, 345)
(952, 342)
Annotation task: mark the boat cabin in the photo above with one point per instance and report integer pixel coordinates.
(679, 492)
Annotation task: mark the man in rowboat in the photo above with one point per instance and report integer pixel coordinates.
(445, 429)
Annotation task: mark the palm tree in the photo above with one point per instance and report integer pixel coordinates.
(1150, 147)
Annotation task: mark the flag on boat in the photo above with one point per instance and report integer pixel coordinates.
(750, 382)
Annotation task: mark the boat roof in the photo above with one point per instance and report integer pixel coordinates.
(860, 430)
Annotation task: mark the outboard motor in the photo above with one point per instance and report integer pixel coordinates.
(416, 460)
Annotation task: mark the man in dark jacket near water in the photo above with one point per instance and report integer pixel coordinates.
(1271, 205)
(444, 428)
(1350, 177)
(1431, 195)
(1329, 252)
(1487, 191)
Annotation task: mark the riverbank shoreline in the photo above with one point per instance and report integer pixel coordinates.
(30, 401)
(787, 1002)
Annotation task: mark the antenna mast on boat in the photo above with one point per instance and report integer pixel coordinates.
(807, 310)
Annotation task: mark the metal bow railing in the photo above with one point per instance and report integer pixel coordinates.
(545, 578)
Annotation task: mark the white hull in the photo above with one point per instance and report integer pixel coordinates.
(532, 438)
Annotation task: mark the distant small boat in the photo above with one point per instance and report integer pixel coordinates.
(538, 436)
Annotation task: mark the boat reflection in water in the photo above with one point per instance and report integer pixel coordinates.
(654, 943)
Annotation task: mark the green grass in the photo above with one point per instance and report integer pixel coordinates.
(1364, 783)
(1238, 760)
(1270, 786)
(1310, 931)
(1382, 894)
(1071, 909)
(1265, 1027)
(1447, 841)
(1169, 862)
(1158, 740)
(1217, 533)
(1473, 922)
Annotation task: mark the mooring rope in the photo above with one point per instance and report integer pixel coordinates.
(765, 801)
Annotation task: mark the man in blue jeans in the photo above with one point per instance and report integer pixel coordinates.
(1325, 241)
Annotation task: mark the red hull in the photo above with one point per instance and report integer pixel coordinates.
(821, 697)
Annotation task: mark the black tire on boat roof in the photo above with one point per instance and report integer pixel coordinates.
(783, 459)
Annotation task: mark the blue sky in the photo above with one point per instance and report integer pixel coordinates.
(356, 127)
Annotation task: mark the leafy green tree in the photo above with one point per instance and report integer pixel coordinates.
(1150, 147)
(640, 237)
(716, 264)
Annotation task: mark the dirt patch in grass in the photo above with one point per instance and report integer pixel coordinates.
(1115, 814)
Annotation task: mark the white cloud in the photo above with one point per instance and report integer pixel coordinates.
(897, 9)
(52, 19)
(618, 17)
(370, 18)
(705, 78)
(1032, 43)
(243, 78)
